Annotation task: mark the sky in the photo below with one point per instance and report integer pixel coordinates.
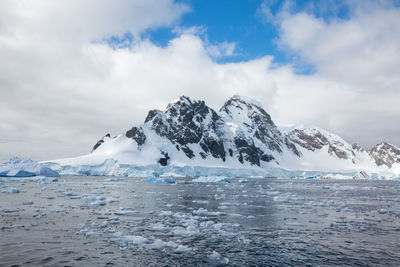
(72, 71)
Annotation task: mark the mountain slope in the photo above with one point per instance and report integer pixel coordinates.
(322, 150)
(240, 135)
(385, 154)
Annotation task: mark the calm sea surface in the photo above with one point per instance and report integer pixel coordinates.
(98, 221)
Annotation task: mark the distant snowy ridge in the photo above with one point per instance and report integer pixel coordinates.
(189, 138)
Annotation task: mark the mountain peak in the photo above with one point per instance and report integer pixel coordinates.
(182, 100)
(190, 132)
(244, 109)
(246, 100)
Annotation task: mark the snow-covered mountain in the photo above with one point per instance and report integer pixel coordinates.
(240, 135)
(385, 154)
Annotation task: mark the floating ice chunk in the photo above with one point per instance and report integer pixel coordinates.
(186, 232)
(383, 211)
(134, 239)
(243, 181)
(215, 256)
(9, 190)
(146, 243)
(92, 233)
(322, 203)
(98, 203)
(183, 249)
(201, 201)
(202, 211)
(160, 227)
(41, 179)
(373, 219)
(336, 176)
(165, 213)
(114, 180)
(294, 224)
(97, 192)
(168, 180)
(211, 179)
(285, 198)
(12, 227)
(112, 200)
(90, 197)
(125, 212)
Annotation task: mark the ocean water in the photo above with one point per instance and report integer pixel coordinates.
(99, 221)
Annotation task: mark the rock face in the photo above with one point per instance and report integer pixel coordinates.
(361, 175)
(241, 132)
(186, 122)
(315, 139)
(136, 133)
(385, 154)
(100, 142)
(250, 132)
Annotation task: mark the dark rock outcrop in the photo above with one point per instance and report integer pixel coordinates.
(256, 135)
(101, 141)
(137, 134)
(313, 139)
(385, 154)
(187, 122)
(164, 160)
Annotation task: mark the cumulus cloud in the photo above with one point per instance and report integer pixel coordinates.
(358, 60)
(224, 49)
(62, 87)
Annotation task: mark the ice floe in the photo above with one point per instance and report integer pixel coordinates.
(10, 190)
(159, 180)
(211, 179)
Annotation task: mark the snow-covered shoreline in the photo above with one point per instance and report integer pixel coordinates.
(17, 167)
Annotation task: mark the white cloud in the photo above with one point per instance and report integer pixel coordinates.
(60, 92)
(224, 49)
(358, 60)
(193, 30)
(85, 20)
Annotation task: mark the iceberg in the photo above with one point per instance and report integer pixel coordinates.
(111, 167)
(10, 190)
(164, 180)
(38, 171)
(17, 167)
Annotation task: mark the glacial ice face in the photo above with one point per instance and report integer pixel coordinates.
(17, 167)
(111, 167)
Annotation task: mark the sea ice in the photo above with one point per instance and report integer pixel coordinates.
(9, 190)
(159, 180)
(211, 179)
(215, 256)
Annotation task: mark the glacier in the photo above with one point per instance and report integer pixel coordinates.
(17, 167)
